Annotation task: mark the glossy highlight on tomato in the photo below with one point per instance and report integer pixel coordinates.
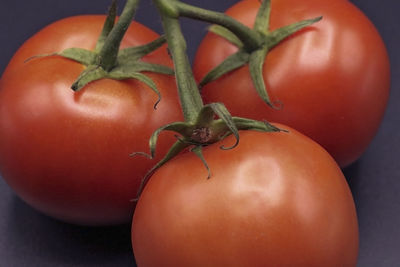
(67, 153)
(278, 199)
(332, 78)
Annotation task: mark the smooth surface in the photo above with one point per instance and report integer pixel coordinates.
(277, 199)
(28, 238)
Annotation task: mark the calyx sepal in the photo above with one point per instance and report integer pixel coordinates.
(255, 58)
(128, 63)
(213, 124)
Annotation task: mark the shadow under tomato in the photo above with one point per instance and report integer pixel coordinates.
(44, 241)
(352, 174)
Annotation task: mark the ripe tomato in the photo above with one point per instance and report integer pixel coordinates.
(332, 78)
(278, 199)
(67, 153)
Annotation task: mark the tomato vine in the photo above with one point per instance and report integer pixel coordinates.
(198, 117)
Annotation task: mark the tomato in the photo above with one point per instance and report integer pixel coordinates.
(332, 78)
(67, 153)
(278, 199)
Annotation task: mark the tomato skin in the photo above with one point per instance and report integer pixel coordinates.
(67, 153)
(278, 199)
(333, 78)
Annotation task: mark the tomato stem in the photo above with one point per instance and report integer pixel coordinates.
(109, 52)
(204, 124)
(190, 97)
(251, 39)
(199, 118)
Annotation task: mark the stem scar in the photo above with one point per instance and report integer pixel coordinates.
(201, 135)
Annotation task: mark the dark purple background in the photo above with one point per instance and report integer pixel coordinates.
(28, 238)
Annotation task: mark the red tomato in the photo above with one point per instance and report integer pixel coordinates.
(278, 199)
(333, 78)
(67, 153)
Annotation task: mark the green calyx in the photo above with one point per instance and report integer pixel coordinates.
(254, 57)
(129, 66)
(108, 61)
(214, 123)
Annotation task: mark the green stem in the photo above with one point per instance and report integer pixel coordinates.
(200, 127)
(189, 94)
(109, 52)
(250, 39)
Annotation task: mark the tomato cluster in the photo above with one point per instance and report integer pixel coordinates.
(275, 199)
